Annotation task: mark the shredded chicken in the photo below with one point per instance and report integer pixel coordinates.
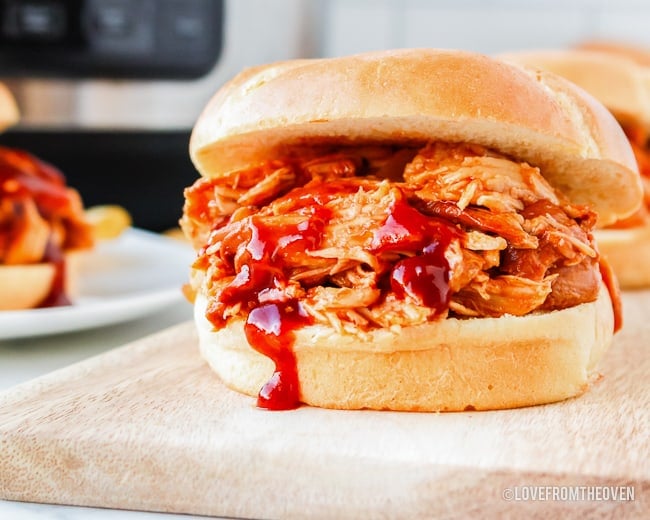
(327, 231)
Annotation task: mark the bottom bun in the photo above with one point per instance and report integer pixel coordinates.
(25, 286)
(628, 252)
(450, 365)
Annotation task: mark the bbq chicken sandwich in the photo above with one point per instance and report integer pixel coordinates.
(41, 223)
(405, 230)
(619, 77)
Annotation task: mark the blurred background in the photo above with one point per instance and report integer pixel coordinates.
(109, 89)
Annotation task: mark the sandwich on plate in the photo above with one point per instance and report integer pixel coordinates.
(42, 225)
(405, 230)
(619, 77)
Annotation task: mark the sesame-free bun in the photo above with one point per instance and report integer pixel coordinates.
(446, 365)
(615, 79)
(630, 51)
(8, 109)
(618, 77)
(628, 252)
(25, 286)
(414, 96)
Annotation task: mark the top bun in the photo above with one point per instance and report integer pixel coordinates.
(413, 96)
(633, 52)
(616, 79)
(8, 109)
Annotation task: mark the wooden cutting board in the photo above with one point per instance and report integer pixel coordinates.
(148, 427)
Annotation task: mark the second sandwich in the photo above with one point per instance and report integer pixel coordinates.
(620, 79)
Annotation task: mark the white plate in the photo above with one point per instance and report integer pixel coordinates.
(129, 277)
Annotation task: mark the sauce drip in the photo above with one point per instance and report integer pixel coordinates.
(57, 296)
(262, 253)
(269, 330)
(611, 283)
(425, 276)
(258, 286)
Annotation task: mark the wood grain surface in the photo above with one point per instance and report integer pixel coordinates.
(149, 427)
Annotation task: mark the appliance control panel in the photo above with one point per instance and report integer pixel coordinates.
(132, 39)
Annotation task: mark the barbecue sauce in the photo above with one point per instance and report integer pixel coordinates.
(23, 176)
(425, 276)
(259, 252)
(269, 331)
(611, 283)
(272, 317)
(57, 296)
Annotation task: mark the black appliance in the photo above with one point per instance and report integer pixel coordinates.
(109, 90)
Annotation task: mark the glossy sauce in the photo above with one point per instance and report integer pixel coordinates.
(259, 252)
(269, 329)
(57, 295)
(21, 176)
(258, 285)
(611, 283)
(261, 267)
(425, 276)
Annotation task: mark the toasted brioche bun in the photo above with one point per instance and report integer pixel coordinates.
(25, 286)
(386, 97)
(447, 365)
(616, 80)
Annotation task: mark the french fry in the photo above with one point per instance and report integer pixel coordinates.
(108, 221)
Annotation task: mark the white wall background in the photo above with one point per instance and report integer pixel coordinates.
(488, 26)
(261, 31)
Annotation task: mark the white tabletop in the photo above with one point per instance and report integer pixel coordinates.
(25, 359)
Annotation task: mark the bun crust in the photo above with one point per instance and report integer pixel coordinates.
(25, 286)
(449, 365)
(415, 96)
(619, 77)
(628, 252)
(8, 109)
(615, 79)
(632, 52)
